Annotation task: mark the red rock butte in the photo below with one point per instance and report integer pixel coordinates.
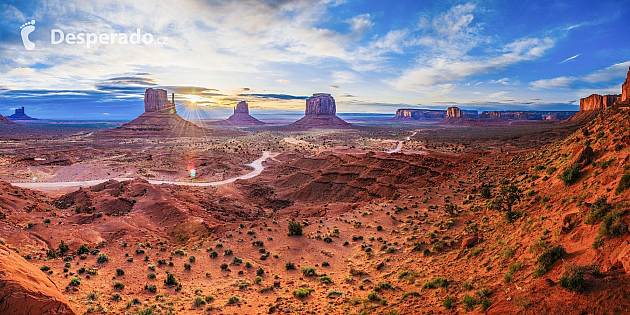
(241, 117)
(321, 112)
(5, 121)
(160, 118)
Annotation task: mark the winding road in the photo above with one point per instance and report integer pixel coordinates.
(400, 144)
(256, 165)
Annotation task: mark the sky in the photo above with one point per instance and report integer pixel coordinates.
(372, 56)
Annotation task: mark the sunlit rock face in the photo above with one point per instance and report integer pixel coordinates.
(321, 104)
(454, 112)
(156, 100)
(241, 108)
(625, 89)
(598, 102)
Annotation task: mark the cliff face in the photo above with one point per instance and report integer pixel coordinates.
(454, 112)
(598, 102)
(5, 121)
(156, 100)
(494, 115)
(521, 115)
(625, 89)
(241, 108)
(321, 104)
(417, 114)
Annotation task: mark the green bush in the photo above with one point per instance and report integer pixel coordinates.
(572, 278)
(295, 228)
(624, 183)
(547, 259)
(302, 293)
(171, 279)
(83, 250)
(102, 258)
(309, 271)
(448, 301)
(373, 296)
(439, 282)
(570, 174)
(75, 281)
(407, 294)
(119, 285)
(199, 301)
(234, 299)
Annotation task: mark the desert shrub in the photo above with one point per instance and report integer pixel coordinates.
(214, 254)
(83, 250)
(51, 254)
(227, 252)
(448, 301)
(570, 174)
(325, 264)
(237, 261)
(187, 266)
(260, 272)
(334, 292)
(265, 289)
(572, 278)
(486, 192)
(302, 293)
(408, 294)
(248, 264)
(198, 301)
(102, 258)
(439, 282)
(63, 247)
(234, 299)
(151, 275)
(119, 285)
(209, 298)
(598, 210)
(547, 259)
(373, 296)
(192, 259)
(309, 271)
(171, 279)
(624, 184)
(612, 225)
(324, 279)
(295, 228)
(116, 297)
(150, 287)
(180, 252)
(120, 272)
(289, 265)
(508, 196)
(75, 281)
(224, 266)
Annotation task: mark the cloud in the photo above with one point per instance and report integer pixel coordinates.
(344, 77)
(504, 81)
(569, 59)
(275, 96)
(360, 23)
(613, 73)
(283, 81)
(441, 70)
(333, 86)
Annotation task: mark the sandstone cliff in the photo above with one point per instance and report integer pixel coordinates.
(419, 114)
(25, 290)
(241, 117)
(494, 115)
(5, 121)
(598, 102)
(241, 108)
(625, 89)
(454, 112)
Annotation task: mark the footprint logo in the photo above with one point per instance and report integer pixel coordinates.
(27, 29)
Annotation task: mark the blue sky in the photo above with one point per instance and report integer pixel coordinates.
(372, 56)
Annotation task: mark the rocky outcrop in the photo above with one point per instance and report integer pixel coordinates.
(454, 112)
(494, 115)
(521, 115)
(321, 104)
(320, 113)
(625, 89)
(5, 121)
(160, 119)
(156, 100)
(419, 114)
(241, 117)
(25, 290)
(20, 114)
(241, 108)
(598, 102)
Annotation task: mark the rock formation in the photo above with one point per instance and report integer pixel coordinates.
(156, 100)
(598, 102)
(159, 119)
(24, 289)
(20, 115)
(454, 112)
(419, 114)
(321, 111)
(625, 89)
(5, 121)
(241, 117)
(494, 115)
(521, 115)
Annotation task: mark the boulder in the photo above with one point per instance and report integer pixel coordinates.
(24, 289)
(582, 155)
(470, 241)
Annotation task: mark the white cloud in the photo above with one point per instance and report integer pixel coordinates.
(569, 59)
(360, 23)
(283, 81)
(344, 77)
(607, 74)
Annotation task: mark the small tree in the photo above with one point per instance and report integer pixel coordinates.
(295, 228)
(508, 196)
(63, 247)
